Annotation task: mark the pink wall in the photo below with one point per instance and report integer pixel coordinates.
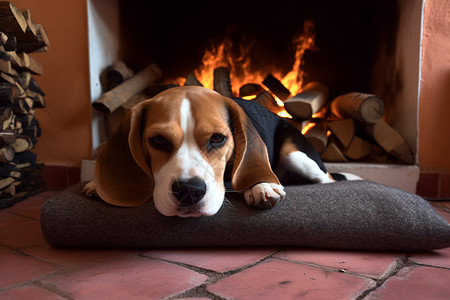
(434, 128)
(66, 129)
(65, 122)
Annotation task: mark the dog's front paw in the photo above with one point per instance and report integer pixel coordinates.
(264, 195)
(89, 189)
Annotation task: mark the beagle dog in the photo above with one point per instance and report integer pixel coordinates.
(181, 147)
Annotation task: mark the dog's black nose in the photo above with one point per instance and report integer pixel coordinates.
(189, 192)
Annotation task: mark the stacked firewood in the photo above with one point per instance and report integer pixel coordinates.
(20, 95)
(347, 128)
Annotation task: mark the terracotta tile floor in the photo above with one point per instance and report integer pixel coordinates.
(31, 269)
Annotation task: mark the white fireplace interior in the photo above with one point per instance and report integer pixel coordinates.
(385, 35)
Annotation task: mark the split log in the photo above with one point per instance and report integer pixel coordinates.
(22, 144)
(16, 62)
(11, 18)
(113, 99)
(6, 154)
(3, 38)
(118, 73)
(365, 108)
(343, 130)
(222, 82)
(11, 43)
(317, 136)
(30, 24)
(42, 36)
(250, 91)
(30, 42)
(5, 66)
(191, 80)
(308, 102)
(268, 101)
(8, 136)
(7, 122)
(30, 64)
(33, 86)
(333, 154)
(358, 149)
(39, 100)
(7, 78)
(5, 182)
(391, 141)
(276, 87)
(8, 92)
(6, 116)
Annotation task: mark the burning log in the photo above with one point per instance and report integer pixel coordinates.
(222, 83)
(317, 135)
(268, 101)
(343, 130)
(114, 98)
(365, 108)
(333, 154)
(191, 80)
(276, 87)
(308, 102)
(391, 141)
(250, 90)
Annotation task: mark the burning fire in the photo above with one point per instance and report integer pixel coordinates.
(239, 66)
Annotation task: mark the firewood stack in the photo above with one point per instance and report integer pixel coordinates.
(348, 128)
(20, 95)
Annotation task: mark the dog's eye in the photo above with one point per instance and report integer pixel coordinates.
(217, 140)
(159, 142)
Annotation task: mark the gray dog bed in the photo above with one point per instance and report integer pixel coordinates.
(356, 215)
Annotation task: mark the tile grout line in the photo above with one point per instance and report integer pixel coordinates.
(402, 263)
(213, 277)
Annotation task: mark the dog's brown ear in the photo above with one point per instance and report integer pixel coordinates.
(251, 160)
(122, 175)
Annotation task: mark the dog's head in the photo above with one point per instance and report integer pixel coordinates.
(174, 149)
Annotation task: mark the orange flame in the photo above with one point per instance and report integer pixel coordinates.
(308, 127)
(239, 67)
(294, 79)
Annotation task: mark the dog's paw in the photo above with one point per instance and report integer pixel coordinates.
(264, 195)
(89, 189)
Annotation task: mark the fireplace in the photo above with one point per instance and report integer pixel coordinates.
(365, 46)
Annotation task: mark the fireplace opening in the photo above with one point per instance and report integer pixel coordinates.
(371, 47)
(349, 36)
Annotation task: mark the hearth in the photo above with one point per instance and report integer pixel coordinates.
(370, 47)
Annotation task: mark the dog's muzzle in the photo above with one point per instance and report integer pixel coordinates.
(189, 192)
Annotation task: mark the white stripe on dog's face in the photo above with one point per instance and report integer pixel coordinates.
(187, 162)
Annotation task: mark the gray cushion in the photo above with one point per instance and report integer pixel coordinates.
(357, 215)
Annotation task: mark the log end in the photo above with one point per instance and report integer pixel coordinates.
(298, 109)
(372, 110)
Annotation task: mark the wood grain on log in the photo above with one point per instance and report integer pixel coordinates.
(113, 99)
(391, 141)
(308, 102)
(365, 108)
